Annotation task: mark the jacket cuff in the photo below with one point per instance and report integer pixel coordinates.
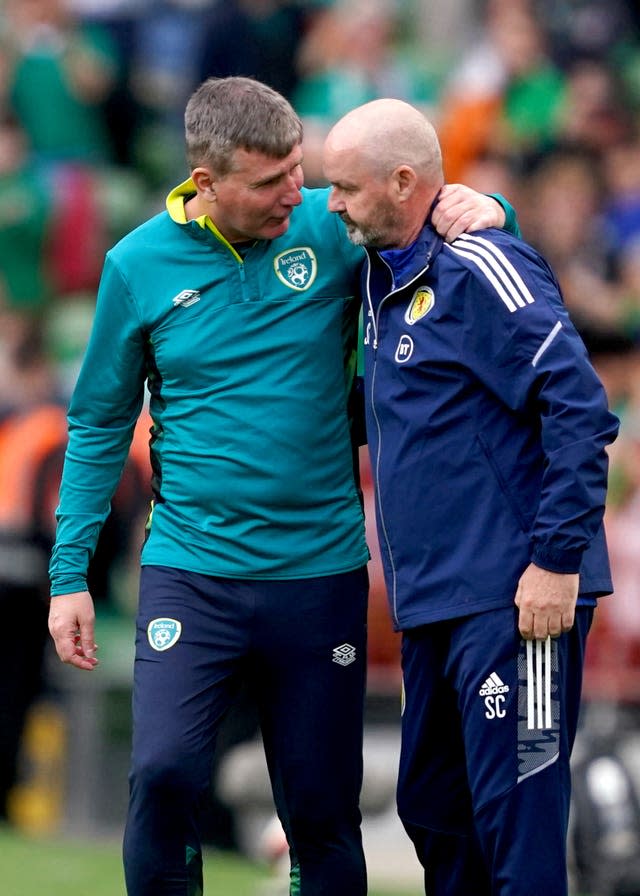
(68, 586)
(555, 560)
(511, 220)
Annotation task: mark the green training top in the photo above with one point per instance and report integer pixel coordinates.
(249, 360)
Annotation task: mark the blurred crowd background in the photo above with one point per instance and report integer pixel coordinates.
(536, 99)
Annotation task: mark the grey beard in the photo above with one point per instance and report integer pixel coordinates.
(371, 238)
(356, 235)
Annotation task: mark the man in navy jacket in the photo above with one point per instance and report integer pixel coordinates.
(487, 429)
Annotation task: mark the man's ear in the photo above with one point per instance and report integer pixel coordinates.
(404, 181)
(205, 183)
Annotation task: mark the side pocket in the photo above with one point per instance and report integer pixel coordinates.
(511, 499)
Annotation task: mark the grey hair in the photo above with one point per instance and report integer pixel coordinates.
(225, 114)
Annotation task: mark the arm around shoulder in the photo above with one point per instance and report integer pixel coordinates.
(462, 210)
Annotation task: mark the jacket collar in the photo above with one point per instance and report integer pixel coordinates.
(198, 226)
(405, 264)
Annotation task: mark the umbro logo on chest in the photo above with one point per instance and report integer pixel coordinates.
(185, 298)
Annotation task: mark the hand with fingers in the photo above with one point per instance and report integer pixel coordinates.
(547, 602)
(460, 209)
(72, 626)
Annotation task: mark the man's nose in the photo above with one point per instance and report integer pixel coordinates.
(292, 195)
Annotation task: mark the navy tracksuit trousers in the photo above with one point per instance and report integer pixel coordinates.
(301, 645)
(488, 726)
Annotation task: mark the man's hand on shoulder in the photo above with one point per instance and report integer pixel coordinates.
(462, 210)
(71, 625)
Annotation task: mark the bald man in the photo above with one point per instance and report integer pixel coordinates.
(487, 429)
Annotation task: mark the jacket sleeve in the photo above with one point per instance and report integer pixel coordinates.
(104, 407)
(525, 349)
(511, 219)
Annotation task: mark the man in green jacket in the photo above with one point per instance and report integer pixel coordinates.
(236, 309)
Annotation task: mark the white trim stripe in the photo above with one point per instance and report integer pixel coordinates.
(496, 267)
(547, 342)
(530, 677)
(539, 684)
(540, 768)
(501, 273)
(547, 683)
(502, 259)
(488, 274)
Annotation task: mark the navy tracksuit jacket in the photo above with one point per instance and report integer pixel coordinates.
(487, 427)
